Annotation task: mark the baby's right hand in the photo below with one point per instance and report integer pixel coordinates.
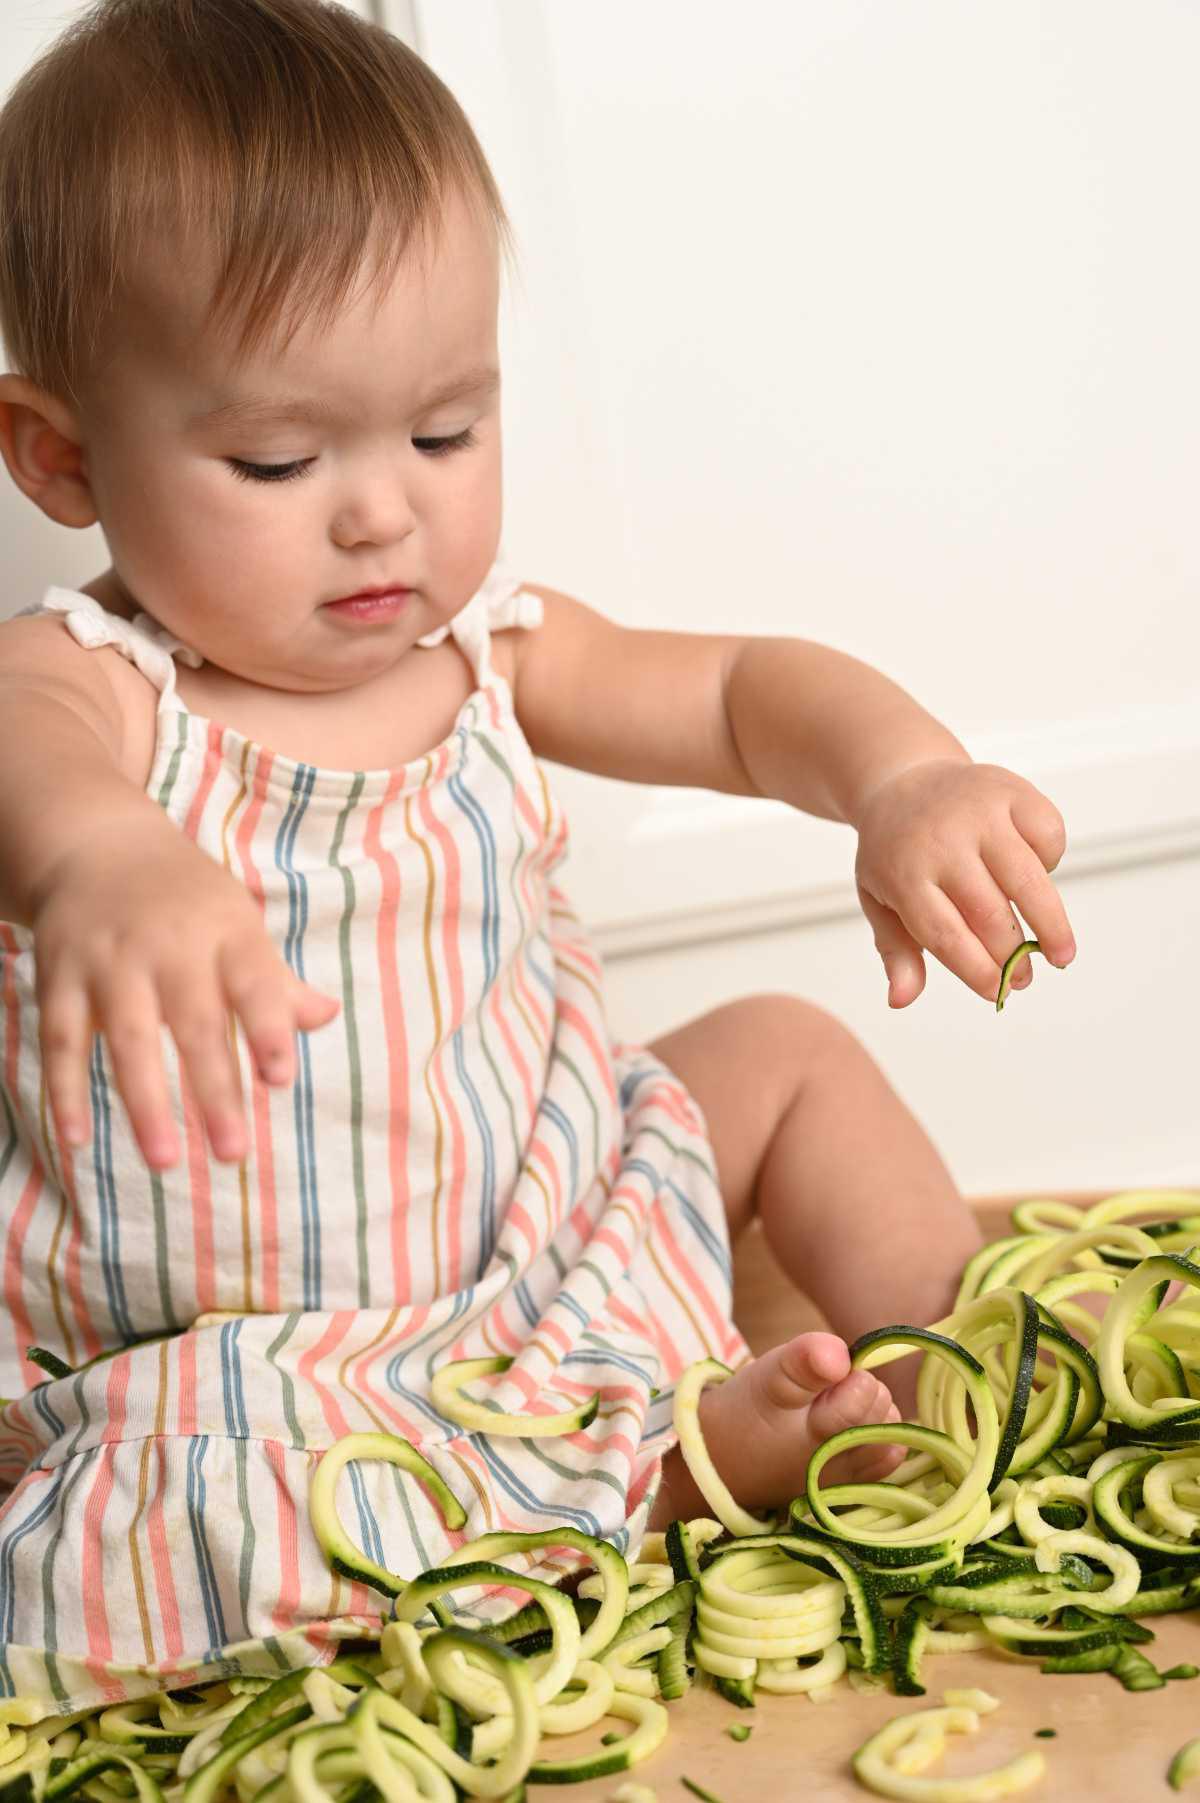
(180, 944)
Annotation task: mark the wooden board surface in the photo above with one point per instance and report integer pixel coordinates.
(1110, 1743)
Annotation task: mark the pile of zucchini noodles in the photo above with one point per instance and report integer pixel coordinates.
(1048, 1503)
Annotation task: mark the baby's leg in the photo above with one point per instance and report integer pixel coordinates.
(856, 1205)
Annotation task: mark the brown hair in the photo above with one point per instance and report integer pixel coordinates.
(289, 136)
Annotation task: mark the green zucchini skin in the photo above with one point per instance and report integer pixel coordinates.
(912, 1635)
(1026, 949)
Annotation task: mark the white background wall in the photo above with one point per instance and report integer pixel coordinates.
(873, 323)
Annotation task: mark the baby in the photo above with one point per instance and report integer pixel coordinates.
(308, 1087)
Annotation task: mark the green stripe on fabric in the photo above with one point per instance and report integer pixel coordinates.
(49, 1613)
(246, 1557)
(350, 1016)
(678, 1151)
(288, 1388)
(560, 1057)
(162, 1261)
(593, 1474)
(163, 797)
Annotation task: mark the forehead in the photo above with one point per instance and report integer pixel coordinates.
(432, 318)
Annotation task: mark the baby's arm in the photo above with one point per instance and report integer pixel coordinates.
(946, 846)
(133, 926)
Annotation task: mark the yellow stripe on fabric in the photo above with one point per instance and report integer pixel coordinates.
(243, 1173)
(60, 1313)
(678, 1294)
(540, 1183)
(135, 1557)
(435, 1001)
(361, 1353)
(482, 1494)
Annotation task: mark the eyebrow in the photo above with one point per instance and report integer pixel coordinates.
(304, 410)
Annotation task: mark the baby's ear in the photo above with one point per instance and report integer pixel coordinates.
(40, 443)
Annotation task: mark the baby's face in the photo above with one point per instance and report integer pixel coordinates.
(395, 485)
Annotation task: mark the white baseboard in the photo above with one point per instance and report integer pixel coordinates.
(656, 868)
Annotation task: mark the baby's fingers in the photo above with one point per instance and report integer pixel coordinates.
(65, 1015)
(936, 923)
(273, 1005)
(194, 1008)
(984, 906)
(1022, 876)
(128, 1017)
(897, 948)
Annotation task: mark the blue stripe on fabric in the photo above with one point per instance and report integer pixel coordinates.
(486, 1196)
(714, 1244)
(43, 1508)
(546, 974)
(608, 1357)
(526, 1303)
(83, 1469)
(369, 1538)
(106, 1197)
(11, 1119)
(491, 885)
(564, 1299)
(196, 1493)
(570, 1138)
(237, 1423)
(42, 1407)
(302, 1090)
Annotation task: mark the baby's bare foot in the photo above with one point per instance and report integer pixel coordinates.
(763, 1424)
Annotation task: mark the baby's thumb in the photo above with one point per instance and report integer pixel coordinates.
(313, 1009)
(901, 955)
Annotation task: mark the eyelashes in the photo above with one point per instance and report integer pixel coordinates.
(442, 447)
(268, 472)
(288, 472)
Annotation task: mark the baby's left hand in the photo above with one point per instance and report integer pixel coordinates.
(945, 850)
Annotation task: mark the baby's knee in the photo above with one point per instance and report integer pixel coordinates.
(796, 1036)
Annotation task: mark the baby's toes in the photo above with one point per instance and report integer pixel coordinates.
(860, 1400)
(790, 1374)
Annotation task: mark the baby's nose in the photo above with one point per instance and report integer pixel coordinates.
(380, 514)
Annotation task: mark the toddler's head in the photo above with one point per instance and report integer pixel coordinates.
(249, 263)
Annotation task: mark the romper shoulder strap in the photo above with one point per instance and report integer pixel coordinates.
(142, 640)
(499, 603)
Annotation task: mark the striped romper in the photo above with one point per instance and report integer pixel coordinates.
(466, 1165)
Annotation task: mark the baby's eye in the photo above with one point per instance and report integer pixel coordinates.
(442, 447)
(268, 472)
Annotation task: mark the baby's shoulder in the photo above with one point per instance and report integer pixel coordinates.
(38, 654)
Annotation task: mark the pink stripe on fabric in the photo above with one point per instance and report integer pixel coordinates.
(14, 1289)
(185, 1410)
(260, 1092)
(601, 1062)
(496, 1009)
(414, 1321)
(553, 1175)
(164, 1579)
(92, 1343)
(339, 1326)
(284, 1610)
(199, 1181)
(451, 925)
(697, 1290)
(397, 1042)
(91, 1565)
